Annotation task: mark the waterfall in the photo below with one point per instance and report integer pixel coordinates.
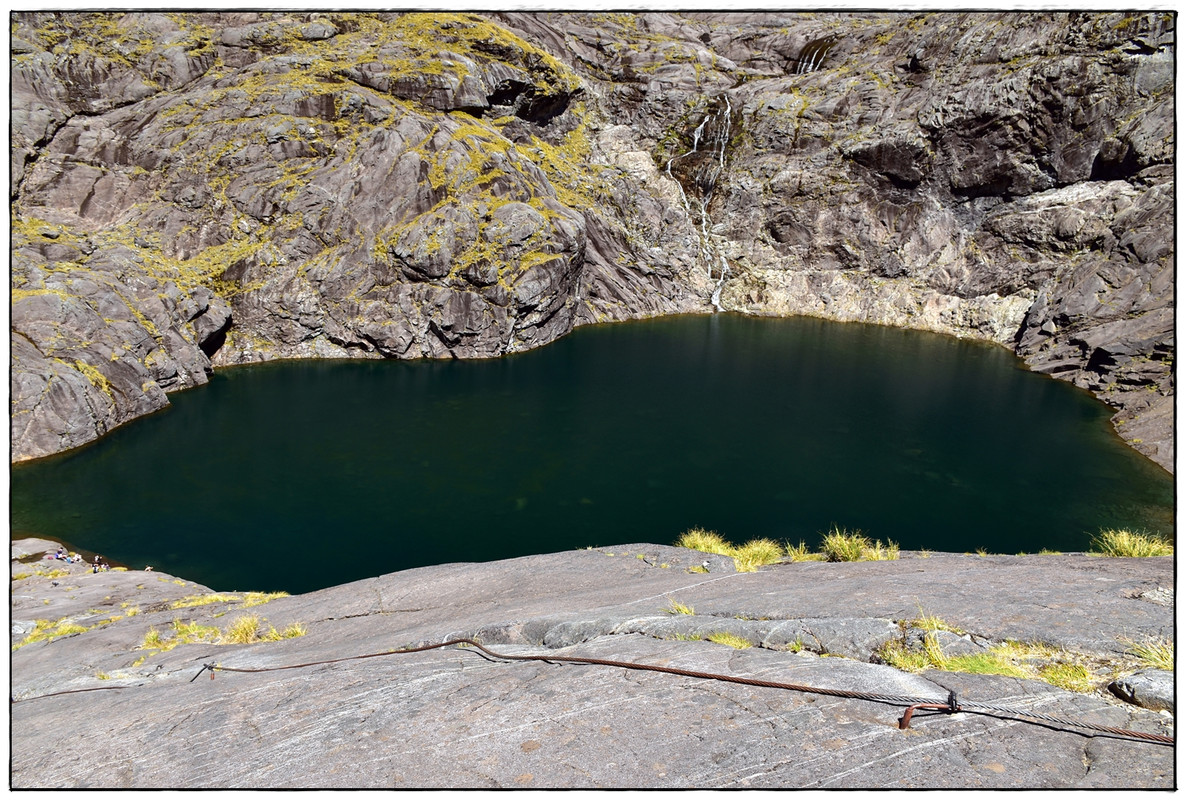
(698, 171)
(812, 55)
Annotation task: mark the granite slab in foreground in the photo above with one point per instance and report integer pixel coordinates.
(455, 718)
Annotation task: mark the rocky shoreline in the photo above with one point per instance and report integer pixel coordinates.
(196, 190)
(114, 702)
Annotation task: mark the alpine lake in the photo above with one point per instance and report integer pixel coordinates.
(299, 475)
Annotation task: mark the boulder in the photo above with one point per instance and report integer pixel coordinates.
(1148, 688)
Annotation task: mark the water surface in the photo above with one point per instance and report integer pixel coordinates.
(301, 475)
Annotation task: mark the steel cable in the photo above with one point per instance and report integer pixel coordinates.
(991, 710)
(950, 704)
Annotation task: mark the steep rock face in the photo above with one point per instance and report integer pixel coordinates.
(259, 186)
(339, 186)
(1005, 176)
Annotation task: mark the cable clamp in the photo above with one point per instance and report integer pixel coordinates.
(203, 669)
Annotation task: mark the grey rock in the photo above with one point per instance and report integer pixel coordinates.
(396, 719)
(851, 638)
(1149, 688)
(949, 643)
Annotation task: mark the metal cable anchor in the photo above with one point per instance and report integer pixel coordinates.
(951, 707)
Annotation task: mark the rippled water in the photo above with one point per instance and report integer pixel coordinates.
(300, 475)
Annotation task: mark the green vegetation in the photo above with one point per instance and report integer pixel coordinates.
(730, 640)
(1121, 543)
(464, 155)
(259, 598)
(844, 545)
(203, 600)
(756, 553)
(1070, 676)
(1157, 653)
(929, 622)
(245, 629)
(1032, 660)
(747, 558)
(705, 542)
(800, 552)
(676, 607)
(838, 545)
(246, 599)
(44, 631)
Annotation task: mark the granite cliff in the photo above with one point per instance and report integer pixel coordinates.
(197, 190)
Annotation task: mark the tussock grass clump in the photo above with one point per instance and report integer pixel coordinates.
(153, 640)
(1069, 676)
(757, 553)
(1032, 660)
(746, 558)
(242, 630)
(990, 663)
(1156, 653)
(183, 633)
(259, 598)
(676, 607)
(878, 552)
(246, 600)
(799, 552)
(930, 622)
(248, 629)
(896, 654)
(840, 544)
(44, 630)
(203, 600)
(730, 640)
(1122, 543)
(293, 631)
(705, 542)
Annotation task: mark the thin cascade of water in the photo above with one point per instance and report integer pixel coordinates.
(714, 131)
(813, 55)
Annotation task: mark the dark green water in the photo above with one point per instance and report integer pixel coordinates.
(302, 475)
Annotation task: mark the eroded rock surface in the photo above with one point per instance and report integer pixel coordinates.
(454, 718)
(196, 190)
